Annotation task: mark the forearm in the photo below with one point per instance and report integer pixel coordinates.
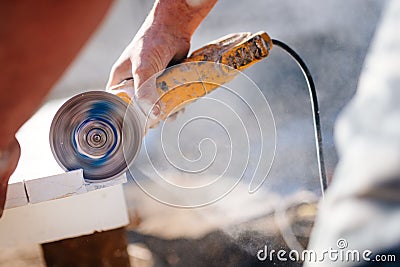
(39, 39)
(180, 17)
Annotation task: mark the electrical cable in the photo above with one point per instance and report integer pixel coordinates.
(314, 108)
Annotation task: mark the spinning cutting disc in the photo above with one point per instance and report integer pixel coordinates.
(89, 132)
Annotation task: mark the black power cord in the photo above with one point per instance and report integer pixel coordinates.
(314, 108)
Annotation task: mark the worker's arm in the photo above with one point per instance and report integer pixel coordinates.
(164, 36)
(38, 40)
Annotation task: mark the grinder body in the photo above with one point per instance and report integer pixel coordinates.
(101, 132)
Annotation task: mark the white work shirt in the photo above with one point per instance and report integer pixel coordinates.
(362, 205)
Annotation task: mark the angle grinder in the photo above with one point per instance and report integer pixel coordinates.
(101, 132)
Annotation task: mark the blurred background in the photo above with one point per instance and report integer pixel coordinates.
(333, 38)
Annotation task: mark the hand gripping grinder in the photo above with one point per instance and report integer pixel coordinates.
(101, 132)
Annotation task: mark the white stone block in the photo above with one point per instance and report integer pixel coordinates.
(16, 195)
(68, 217)
(55, 187)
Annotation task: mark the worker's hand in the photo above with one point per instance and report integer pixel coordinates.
(151, 50)
(164, 37)
(9, 156)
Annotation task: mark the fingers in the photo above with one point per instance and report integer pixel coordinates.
(146, 92)
(143, 59)
(153, 59)
(8, 163)
(144, 79)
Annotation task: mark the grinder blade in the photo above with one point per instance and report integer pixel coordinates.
(91, 131)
